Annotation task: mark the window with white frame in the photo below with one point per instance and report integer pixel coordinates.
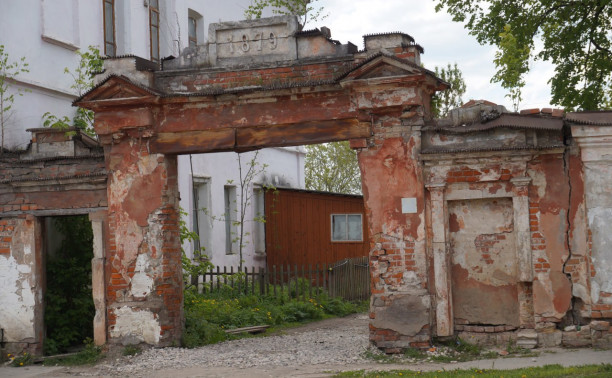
(110, 45)
(154, 29)
(202, 222)
(346, 227)
(259, 212)
(195, 28)
(230, 214)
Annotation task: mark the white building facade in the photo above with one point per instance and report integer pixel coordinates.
(48, 34)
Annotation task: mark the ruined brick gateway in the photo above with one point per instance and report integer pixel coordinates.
(487, 223)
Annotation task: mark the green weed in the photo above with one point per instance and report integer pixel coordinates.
(88, 356)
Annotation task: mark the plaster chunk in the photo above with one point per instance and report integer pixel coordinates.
(406, 315)
(142, 283)
(133, 325)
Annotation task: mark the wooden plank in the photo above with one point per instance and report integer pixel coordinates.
(296, 134)
(251, 329)
(186, 142)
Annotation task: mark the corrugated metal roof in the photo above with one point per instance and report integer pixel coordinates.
(596, 118)
(513, 121)
(433, 151)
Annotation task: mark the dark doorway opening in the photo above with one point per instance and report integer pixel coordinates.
(69, 307)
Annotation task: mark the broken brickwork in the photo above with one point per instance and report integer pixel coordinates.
(485, 223)
(59, 174)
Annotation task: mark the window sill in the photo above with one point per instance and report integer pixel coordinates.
(59, 42)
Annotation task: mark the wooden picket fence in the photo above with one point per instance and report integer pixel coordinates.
(348, 279)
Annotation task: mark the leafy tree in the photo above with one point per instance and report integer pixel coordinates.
(9, 70)
(575, 35)
(90, 62)
(302, 8)
(443, 102)
(512, 63)
(332, 167)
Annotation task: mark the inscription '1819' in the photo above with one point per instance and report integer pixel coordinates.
(260, 42)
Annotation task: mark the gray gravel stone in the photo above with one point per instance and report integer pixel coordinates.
(340, 341)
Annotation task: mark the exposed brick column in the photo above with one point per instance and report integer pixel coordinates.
(144, 286)
(391, 176)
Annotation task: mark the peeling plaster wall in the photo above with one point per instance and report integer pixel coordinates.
(145, 268)
(400, 302)
(21, 293)
(599, 187)
(484, 262)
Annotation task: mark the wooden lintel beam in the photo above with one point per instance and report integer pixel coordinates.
(188, 142)
(301, 133)
(250, 138)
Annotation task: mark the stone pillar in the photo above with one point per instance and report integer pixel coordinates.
(520, 203)
(98, 265)
(444, 303)
(144, 288)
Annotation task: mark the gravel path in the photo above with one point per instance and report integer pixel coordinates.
(338, 341)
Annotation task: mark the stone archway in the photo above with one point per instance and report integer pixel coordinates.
(277, 86)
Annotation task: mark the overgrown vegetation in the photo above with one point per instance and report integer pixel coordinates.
(208, 316)
(531, 372)
(69, 304)
(88, 356)
(90, 62)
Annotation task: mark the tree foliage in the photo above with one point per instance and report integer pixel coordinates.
(443, 102)
(332, 167)
(301, 8)
(9, 70)
(575, 38)
(512, 64)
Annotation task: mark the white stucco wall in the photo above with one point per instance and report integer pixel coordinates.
(47, 33)
(285, 167)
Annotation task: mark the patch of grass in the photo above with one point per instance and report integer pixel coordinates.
(207, 316)
(131, 350)
(88, 356)
(415, 353)
(604, 370)
(378, 356)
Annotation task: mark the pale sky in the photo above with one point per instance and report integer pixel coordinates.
(444, 42)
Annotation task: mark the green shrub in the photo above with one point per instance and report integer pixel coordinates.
(207, 316)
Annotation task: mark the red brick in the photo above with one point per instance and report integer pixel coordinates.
(530, 111)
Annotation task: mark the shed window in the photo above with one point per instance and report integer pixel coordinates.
(346, 227)
(110, 46)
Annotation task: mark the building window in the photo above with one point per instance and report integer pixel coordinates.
(202, 222)
(193, 26)
(110, 45)
(231, 229)
(154, 29)
(259, 229)
(346, 227)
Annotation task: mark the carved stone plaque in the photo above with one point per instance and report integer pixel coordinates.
(253, 41)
